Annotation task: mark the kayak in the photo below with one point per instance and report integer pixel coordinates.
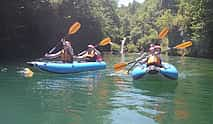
(64, 68)
(168, 70)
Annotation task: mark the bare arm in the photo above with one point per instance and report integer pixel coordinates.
(81, 53)
(53, 56)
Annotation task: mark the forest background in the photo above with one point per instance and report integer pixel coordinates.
(30, 28)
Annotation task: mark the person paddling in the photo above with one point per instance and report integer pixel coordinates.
(66, 53)
(91, 54)
(153, 56)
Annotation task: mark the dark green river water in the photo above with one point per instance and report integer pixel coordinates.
(106, 97)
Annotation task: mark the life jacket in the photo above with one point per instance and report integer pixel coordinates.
(65, 56)
(90, 53)
(92, 56)
(154, 60)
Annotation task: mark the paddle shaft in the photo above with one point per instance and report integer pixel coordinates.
(53, 49)
(132, 67)
(137, 60)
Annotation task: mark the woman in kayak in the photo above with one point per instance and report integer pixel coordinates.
(91, 54)
(153, 57)
(66, 53)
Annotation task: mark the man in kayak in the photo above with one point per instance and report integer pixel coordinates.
(91, 54)
(66, 53)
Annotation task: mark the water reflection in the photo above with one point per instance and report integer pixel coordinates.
(191, 100)
(80, 96)
(142, 98)
(108, 97)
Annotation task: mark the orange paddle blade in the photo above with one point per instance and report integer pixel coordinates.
(105, 42)
(74, 28)
(184, 45)
(120, 66)
(163, 33)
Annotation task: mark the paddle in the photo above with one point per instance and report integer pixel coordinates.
(53, 49)
(120, 66)
(163, 33)
(73, 29)
(136, 61)
(182, 45)
(105, 42)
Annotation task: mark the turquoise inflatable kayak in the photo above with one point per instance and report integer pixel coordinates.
(168, 70)
(63, 68)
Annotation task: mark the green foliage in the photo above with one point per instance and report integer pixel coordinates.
(165, 20)
(141, 42)
(165, 43)
(132, 47)
(42, 22)
(185, 19)
(104, 12)
(115, 47)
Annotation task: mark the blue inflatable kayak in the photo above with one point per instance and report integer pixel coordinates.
(168, 70)
(63, 68)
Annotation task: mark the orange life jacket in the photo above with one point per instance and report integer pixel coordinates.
(90, 53)
(154, 60)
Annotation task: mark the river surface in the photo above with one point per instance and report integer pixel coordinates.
(107, 97)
